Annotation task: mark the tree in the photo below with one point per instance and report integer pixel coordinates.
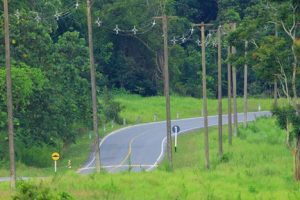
(197, 10)
(288, 119)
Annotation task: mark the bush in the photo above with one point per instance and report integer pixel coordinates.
(109, 108)
(27, 191)
(4, 146)
(38, 156)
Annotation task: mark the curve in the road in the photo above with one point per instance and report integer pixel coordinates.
(141, 147)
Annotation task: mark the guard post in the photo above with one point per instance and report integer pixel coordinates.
(176, 130)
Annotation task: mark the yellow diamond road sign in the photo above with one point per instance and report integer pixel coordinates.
(55, 156)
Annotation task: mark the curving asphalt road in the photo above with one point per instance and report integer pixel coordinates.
(141, 147)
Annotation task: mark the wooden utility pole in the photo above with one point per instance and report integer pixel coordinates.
(229, 98)
(220, 124)
(164, 19)
(204, 94)
(9, 98)
(206, 141)
(166, 89)
(93, 83)
(235, 119)
(246, 86)
(275, 80)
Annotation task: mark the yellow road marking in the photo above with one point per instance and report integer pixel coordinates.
(128, 154)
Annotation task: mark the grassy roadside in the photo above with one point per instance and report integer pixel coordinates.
(77, 153)
(256, 166)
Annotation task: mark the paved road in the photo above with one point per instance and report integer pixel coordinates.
(141, 147)
(6, 179)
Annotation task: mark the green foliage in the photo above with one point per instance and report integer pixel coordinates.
(109, 108)
(38, 156)
(288, 115)
(26, 81)
(28, 191)
(284, 115)
(196, 10)
(297, 47)
(185, 76)
(232, 16)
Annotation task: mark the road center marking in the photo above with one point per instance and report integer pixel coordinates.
(129, 152)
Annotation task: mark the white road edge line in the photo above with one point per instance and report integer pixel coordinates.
(113, 166)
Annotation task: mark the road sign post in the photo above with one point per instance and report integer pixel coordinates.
(176, 130)
(55, 158)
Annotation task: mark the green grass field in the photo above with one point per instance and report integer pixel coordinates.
(145, 108)
(256, 166)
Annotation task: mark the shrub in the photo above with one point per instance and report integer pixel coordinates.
(28, 191)
(38, 156)
(109, 108)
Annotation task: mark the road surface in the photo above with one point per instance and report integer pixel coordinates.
(141, 147)
(6, 179)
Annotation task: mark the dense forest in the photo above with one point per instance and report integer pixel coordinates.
(51, 82)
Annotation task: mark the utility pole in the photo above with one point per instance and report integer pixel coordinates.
(246, 86)
(164, 19)
(275, 80)
(93, 83)
(229, 98)
(166, 88)
(204, 94)
(9, 99)
(220, 92)
(235, 120)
